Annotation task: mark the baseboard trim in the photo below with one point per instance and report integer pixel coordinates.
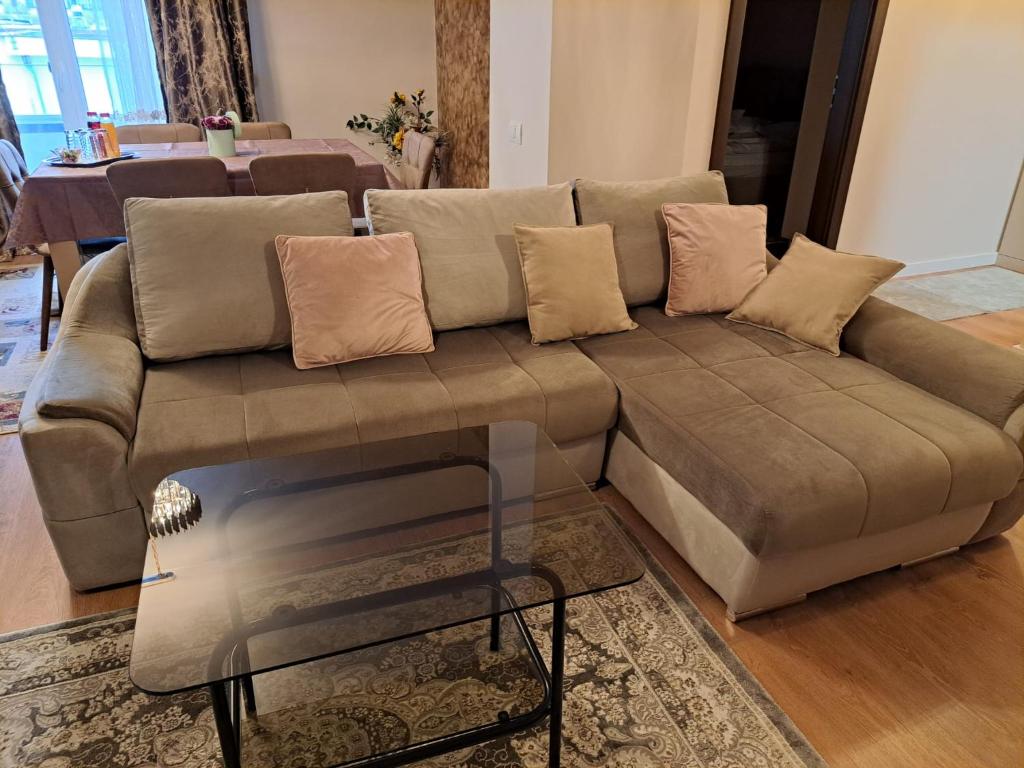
(1011, 263)
(948, 264)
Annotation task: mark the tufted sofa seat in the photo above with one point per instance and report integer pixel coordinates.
(220, 409)
(791, 447)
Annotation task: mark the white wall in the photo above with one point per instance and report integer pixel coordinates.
(1011, 247)
(520, 91)
(712, 19)
(616, 89)
(634, 87)
(317, 62)
(943, 135)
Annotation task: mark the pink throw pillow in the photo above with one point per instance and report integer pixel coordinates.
(717, 255)
(353, 297)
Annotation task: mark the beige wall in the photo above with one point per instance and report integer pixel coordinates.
(520, 91)
(317, 62)
(633, 87)
(943, 135)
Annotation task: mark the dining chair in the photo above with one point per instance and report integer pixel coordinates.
(158, 133)
(418, 151)
(169, 177)
(13, 172)
(265, 131)
(309, 172)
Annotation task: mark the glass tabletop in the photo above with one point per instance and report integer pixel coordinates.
(287, 560)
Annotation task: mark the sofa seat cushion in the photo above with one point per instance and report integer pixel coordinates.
(790, 447)
(221, 409)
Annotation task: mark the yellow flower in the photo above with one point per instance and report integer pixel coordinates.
(398, 139)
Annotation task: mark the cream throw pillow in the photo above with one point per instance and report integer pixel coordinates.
(717, 255)
(813, 292)
(572, 282)
(353, 297)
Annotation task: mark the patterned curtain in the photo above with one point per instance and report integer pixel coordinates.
(203, 56)
(8, 128)
(10, 182)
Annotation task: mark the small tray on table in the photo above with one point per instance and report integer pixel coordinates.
(56, 163)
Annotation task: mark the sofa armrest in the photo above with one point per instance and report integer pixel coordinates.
(93, 376)
(974, 374)
(94, 370)
(77, 424)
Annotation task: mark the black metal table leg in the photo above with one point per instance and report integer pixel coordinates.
(557, 683)
(496, 504)
(248, 691)
(249, 695)
(496, 622)
(225, 725)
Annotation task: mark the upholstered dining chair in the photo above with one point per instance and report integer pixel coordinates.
(158, 133)
(13, 172)
(309, 172)
(170, 177)
(417, 162)
(265, 131)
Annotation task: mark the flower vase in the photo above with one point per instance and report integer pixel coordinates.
(221, 143)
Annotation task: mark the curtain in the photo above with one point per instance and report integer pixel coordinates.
(10, 180)
(8, 128)
(203, 57)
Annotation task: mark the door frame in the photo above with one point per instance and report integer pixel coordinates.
(849, 101)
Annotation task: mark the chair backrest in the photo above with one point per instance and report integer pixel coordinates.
(158, 133)
(13, 173)
(298, 174)
(417, 160)
(171, 177)
(266, 131)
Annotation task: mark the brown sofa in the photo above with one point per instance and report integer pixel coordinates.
(772, 468)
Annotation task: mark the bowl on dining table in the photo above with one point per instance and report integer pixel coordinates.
(69, 155)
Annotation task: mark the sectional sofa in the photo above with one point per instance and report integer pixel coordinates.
(772, 468)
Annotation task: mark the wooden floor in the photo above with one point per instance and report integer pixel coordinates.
(917, 667)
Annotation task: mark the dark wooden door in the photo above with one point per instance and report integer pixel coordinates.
(795, 80)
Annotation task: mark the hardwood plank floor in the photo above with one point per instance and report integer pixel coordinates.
(906, 668)
(1003, 328)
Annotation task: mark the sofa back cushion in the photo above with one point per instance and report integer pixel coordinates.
(205, 274)
(633, 208)
(471, 271)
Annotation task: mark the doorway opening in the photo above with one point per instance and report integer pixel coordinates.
(794, 85)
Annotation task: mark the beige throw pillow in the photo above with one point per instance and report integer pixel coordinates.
(353, 297)
(205, 275)
(634, 209)
(717, 255)
(572, 282)
(813, 292)
(467, 248)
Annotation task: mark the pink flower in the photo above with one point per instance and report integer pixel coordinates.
(217, 123)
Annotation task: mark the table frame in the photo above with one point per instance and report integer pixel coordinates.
(229, 694)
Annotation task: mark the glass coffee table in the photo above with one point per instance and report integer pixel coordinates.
(268, 564)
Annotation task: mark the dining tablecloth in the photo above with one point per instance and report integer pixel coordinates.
(61, 204)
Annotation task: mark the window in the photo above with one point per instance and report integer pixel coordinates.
(63, 58)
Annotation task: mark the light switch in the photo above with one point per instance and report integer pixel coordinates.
(515, 133)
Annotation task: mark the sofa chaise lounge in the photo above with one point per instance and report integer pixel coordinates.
(773, 469)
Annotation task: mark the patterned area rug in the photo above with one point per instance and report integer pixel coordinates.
(648, 683)
(20, 289)
(957, 294)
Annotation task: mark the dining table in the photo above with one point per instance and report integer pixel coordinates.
(62, 205)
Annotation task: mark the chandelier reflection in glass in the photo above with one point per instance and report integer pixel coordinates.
(175, 509)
